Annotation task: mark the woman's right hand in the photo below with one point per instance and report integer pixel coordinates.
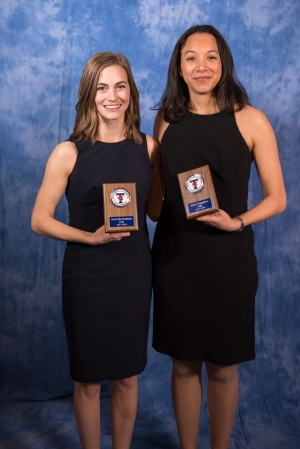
(100, 237)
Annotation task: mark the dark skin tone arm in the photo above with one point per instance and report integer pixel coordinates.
(260, 138)
(155, 198)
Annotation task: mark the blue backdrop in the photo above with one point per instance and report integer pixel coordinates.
(44, 47)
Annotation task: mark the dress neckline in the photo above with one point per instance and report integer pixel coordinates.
(204, 115)
(111, 143)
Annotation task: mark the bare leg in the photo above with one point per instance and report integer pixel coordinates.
(123, 404)
(187, 396)
(87, 413)
(222, 397)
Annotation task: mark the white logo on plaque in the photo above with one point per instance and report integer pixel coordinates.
(194, 183)
(120, 197)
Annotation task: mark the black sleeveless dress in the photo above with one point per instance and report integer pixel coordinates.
(107, 288)
(205, 279)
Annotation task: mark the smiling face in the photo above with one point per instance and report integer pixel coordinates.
(200, 65)
(113, 94)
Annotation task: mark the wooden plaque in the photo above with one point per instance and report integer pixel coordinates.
(120, 207)
(198, 193)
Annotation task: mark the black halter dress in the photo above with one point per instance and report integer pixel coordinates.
(107, 288)
(205, 279)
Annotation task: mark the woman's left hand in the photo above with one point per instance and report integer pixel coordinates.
(221, 220)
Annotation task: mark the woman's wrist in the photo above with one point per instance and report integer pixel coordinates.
(92, 239)
(86, 237)
(240, 223)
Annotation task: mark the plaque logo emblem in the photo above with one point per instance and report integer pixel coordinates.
(194, 183)
(120, 197)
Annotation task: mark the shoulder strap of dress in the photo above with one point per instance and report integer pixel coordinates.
(81, 145)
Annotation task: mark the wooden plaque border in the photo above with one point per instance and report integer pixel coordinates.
(110, 210)
(208, 192)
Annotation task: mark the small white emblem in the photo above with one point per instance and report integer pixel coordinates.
(120, 197)
(194, 183)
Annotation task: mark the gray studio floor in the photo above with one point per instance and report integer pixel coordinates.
(26, 424)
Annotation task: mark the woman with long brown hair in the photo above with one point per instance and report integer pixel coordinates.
(205, 276)
(106, 281)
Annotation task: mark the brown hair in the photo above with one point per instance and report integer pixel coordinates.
(87, 122)
(175, 101)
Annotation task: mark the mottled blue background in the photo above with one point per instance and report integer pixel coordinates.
(44, 47)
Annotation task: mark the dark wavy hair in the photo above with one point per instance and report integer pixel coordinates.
(175, 101)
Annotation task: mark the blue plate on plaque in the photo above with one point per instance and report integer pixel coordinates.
(199, 206)
(121, 222)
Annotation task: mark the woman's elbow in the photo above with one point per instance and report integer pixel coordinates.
(154, 208)
(153, 215)
(281, 203)
(36, 224)
(154, 212)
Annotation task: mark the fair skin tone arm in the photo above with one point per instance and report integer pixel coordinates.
(155, 198)
(58, 169)
(259, 136)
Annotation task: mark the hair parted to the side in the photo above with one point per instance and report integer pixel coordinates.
(87, 122)
(175, 102)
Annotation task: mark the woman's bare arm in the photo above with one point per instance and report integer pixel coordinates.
(155, 198)
(260, 138)
(58, 169)
(160, 126)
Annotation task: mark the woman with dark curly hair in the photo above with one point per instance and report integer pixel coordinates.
(205, 276)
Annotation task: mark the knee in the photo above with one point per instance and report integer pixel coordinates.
(126, 384)
(186, 370)
(222, 374)
(89, 390)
